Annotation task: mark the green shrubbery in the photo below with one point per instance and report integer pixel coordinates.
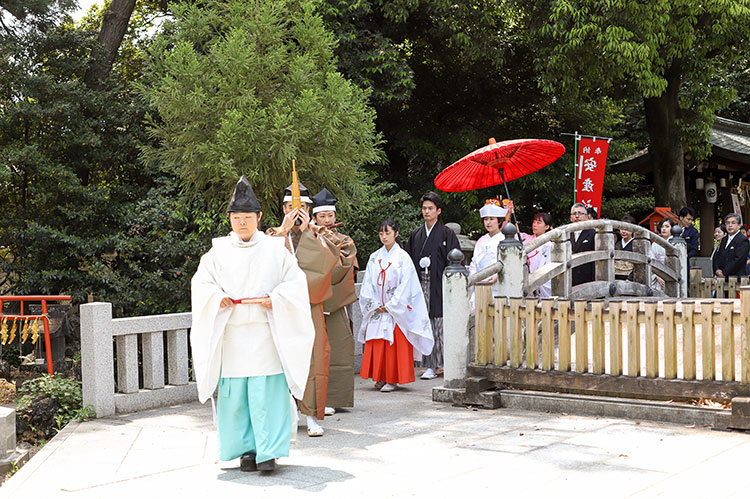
(66, 391)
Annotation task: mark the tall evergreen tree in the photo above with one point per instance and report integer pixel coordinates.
(245, 88)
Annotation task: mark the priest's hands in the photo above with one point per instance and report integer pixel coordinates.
(381, 309)
(291, 217)
(304, 217)
(267, 303)
(225, 302)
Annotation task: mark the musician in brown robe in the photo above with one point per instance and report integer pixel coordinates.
(315, 256)
(338, 325)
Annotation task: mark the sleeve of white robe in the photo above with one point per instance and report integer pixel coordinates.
(206, 333)
(291, 324)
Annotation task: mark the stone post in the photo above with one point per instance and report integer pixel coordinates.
(97, 364)
(561, 252)
(642, 271)
(682, 260)
(510, 252)
(605, 240)
(455, 321)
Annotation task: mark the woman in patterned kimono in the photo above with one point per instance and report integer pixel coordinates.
(395, 327)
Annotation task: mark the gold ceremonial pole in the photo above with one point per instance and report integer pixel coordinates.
(296, 202)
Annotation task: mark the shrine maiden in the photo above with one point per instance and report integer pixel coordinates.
(395, 327)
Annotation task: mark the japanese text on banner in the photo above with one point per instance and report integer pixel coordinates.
(591, 161)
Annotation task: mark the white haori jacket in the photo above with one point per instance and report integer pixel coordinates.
(252, 269)
(391, 281)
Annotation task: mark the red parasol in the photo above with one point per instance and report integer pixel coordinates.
(498, 163)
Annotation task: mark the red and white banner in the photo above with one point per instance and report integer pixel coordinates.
(591, 160)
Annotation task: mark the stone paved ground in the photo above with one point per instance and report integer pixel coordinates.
(394, 445)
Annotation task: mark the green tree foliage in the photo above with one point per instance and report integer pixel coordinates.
(447, 76)
(42, 10)
(244, 88)
(81, 214)
(663, 52)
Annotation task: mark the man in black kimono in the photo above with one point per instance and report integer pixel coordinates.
(428, 247)
(582, 240)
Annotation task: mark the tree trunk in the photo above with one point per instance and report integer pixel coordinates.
(114, 26)
(665, 142)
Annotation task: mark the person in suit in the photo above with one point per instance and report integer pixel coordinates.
(428, 246)
(582, 240)
(731, 255)
(689, 233)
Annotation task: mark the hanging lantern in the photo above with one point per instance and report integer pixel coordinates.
(722, 182)
(711, 192)
(699, 183)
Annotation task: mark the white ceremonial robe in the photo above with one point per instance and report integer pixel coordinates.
(250, 340)
(485, 254)
(391, 280)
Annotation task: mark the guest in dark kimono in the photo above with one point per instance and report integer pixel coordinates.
(582, 240)
(428, 246)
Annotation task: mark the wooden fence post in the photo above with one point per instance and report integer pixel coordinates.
(745, 342)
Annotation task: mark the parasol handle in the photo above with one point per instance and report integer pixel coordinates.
(515, 220)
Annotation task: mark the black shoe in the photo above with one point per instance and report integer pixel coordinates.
(247, 462)
(269, 465)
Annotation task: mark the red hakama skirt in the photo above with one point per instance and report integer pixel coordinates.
(394, 363)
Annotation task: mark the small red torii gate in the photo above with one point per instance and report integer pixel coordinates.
(45, 320)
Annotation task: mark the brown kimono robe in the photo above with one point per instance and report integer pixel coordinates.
(315, 256)
(338, 326)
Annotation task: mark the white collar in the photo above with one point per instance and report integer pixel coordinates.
(237, 240)
(730, 238)
(427, 229)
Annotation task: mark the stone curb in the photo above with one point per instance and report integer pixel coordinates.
(585, 405)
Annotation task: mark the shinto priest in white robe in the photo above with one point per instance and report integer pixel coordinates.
(250, 340)
(391, 280)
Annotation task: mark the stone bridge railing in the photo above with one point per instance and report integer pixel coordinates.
(674, 269)
(515, 281)
(158, 377)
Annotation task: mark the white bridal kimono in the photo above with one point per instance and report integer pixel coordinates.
(250, 340)
(391, 280)
(485, 254)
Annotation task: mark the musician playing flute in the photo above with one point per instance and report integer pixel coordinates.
(252, 336)
(338, 325)
(315, 256)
